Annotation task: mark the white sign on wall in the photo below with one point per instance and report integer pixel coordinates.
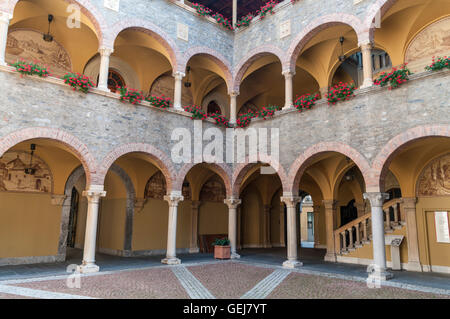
(183, 32)
(285, 29)
(112, 4)
(442, 230)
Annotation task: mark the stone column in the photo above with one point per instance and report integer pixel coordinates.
(366, 50)
(178, 90)
(409, 207)
(93, 195)
(267, 242)
(289, 103)
(239, 228)
(379, 251)
(291, 204)
(171, 255)
(316, 224)
(233, 107)
(105, 53)
(194, 227)
(282, 230)
(232, 204)
(234, 13)
(324, 92)
(4, 24)
(330, 222)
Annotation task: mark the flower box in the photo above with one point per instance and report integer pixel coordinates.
(222, 252)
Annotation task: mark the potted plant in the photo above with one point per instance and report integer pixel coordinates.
(222, 249)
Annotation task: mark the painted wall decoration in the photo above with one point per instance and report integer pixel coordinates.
(156, 187)
(213, 190)
(164, 85)
(28, 45)
(434, 40)
(13, 177)
(435, 178)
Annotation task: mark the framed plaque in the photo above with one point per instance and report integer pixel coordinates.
(442, 230)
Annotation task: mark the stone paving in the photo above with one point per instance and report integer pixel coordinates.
(256, 275)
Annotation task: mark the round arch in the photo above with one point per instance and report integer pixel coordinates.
(315, 27)
(149, 28)
(244, 168)
(220, 169)
(382, 161)
(251, 57)
(214, 56)
(87, 8)
(305, 159)
(78, 148)
(160, 160)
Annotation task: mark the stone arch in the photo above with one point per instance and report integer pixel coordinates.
(304, 160)
(381, 163)
(242, 169)
(211, 54)
(87, 8)
(317, 25)
(146, 27)
(251, 57)
(220, 169)
(79, 149)
(158, 157)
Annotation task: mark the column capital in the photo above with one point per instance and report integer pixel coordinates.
(288, 73)
(195, 204)
(366, 45)
(376, 199)
(5, 17)
(330, 204)
(232, 203)
(178, 75)
(409, 203)
(104, 51)
(291, 201)
(173, 199)
(58, 200)
(94, 193)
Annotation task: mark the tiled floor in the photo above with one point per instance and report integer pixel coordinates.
(257, 273)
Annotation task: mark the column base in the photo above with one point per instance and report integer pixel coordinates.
(292, 264)
(366, 85)
(414, 266)
(88, 268)
(104, 89)
(171, 261)
(194, 250)
(379, 276)
(235, 256)
(287, 107)
(330, 257)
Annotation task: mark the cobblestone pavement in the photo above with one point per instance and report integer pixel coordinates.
(215, 279)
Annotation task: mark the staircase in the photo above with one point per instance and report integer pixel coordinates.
(358, 232)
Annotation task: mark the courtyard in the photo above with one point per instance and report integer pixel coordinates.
(257, 275)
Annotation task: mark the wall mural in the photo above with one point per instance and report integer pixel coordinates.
(156, 188)
(29, 46)
(213, 190)
(434, 40)
(13, 177)
(164, 85)
(435, 178)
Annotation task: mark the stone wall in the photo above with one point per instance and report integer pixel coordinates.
(99, 124)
